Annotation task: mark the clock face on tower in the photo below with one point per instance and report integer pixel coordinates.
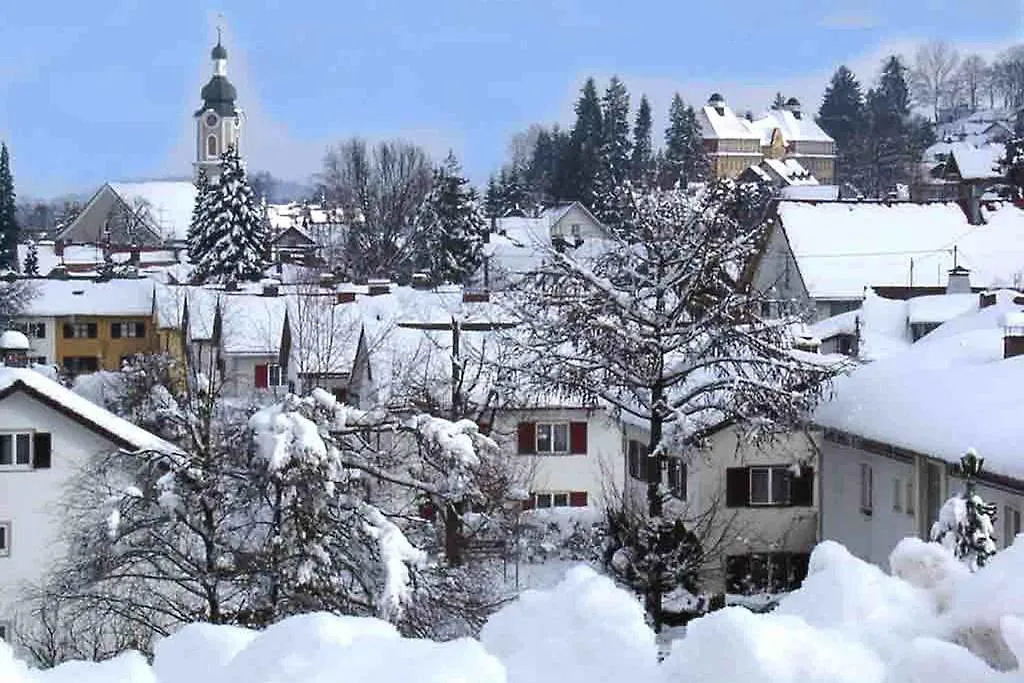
(211, 120)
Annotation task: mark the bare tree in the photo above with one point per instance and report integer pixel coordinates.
(14, 297)
(379, 190)
(1008, 77)
(973, 77)
(932, 76)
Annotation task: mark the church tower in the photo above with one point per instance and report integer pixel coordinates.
(218, 121)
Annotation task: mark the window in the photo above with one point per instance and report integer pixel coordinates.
(15, 450)
(274, 375)
(557, 499)
(5, 631)
(1011, 525)
(636, 456)
(769, 485)
(765, 572)
(76, 365)
(131, 330)
(553, 437)
(911, 497)
(933, 492)
(677, 478)
(80, 330)
(5, 539)
(211, 146)
(867, 494)
(32, 330)
(897, 495)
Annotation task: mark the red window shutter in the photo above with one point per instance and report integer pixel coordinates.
(528, 503)
(484, 427)
(578, 499)
(262, 378)
(578, 438)
(527, 438)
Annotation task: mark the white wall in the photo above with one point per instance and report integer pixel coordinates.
(869, 537)
(29, 498)
(42, 347)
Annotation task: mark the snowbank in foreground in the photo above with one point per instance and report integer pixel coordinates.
(929, 621)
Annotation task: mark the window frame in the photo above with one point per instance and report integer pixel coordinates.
(211, 150)
(5, 631)
(866, 489)
(773, 471)
(14, 465)
(5, 538)
(1010, 531)
(271, 369)
(897, 494)
(551, 427)
(911, 500)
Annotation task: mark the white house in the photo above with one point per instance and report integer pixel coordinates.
(46, 433)
(894, 432)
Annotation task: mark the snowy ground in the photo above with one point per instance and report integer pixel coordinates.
(929, 621)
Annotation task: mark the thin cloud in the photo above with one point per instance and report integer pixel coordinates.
(849, 20)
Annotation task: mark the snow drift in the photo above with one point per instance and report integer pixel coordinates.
(928, 621)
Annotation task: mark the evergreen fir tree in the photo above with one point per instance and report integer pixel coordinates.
(450, 227)
(493, 199)
(844, 117)
(642, 163)
(1012, 162)
(9, 230)
(231, 227)
(31, 265)
(579, 167)
(685, 159)
(779, 102)
(610, 205)
(199, 217)
(514, 197)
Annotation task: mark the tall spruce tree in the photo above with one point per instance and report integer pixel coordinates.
(31, 265)
(642, 162)
(779, 102)
(685, 159)
(844, 117)
(580, 165)
(450, 227)
(896, 138)
(199, 217)
(9, 229)
(610, 203)
(230, 237)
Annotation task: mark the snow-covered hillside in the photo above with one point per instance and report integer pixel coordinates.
(929, 620)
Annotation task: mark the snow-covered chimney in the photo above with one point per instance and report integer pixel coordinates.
(959, 281)
(14, 348)
(718, 102)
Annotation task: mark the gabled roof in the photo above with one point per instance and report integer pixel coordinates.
(793, 129)
(725, 125)
(843, 247)
(119, 297)
(978, 163)
(79, 409)
(166, 204)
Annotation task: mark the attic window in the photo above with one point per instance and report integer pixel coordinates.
(78, 292)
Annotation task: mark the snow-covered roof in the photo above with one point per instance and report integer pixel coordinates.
(120, 297)
(810, 193)
(251, 324)
(12, 340)
(841, 248)
(14, 379)
(793, 129)
(791, 171)
(949, 392)
(168, 204)
(725, 125)
(939, 308)
(979, 163)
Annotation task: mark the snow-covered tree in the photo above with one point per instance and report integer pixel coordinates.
(666, 329)
(966, 522)
(609, 205)
(9, 228)
(580, 163)
(450, 227)
(685, 160)
(198, 236)
(31, 265)
(844, 117)
(229, 235)
(642, 162)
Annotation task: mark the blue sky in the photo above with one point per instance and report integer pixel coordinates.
(95, 91)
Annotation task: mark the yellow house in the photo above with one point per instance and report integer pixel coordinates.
(86, 325)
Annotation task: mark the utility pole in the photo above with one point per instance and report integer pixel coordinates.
(452, 514)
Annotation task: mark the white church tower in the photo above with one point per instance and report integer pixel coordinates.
(218, 121)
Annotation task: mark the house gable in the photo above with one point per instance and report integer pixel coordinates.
(107, 210)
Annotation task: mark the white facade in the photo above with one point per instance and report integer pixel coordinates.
(41, 332)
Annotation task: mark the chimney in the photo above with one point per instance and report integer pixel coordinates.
(1013, 335)
(718, 102)
(271, 287)
(959, 281)
(986, 299)
(793, 106)
(378, 287)
(346, 297)
(14, 349)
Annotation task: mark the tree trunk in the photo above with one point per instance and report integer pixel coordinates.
(654, 503)
(452, 534)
